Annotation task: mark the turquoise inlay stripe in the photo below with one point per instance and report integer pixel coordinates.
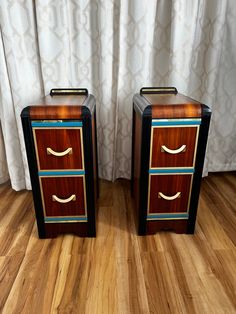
(56, 124)
(60, 173)
(65, 219)
(182, 122)
(174, 170)
(156, 216)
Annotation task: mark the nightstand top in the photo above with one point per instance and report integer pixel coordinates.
(165, 104)
(60, 107)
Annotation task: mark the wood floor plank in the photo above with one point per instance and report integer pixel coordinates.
(128, 252)
(15, 232)
(24, 294)
(119, 271)
(214, 232)
(221, 206)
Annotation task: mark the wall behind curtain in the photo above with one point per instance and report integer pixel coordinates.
(114, 48)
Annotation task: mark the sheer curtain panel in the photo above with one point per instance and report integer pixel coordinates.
(113, 48)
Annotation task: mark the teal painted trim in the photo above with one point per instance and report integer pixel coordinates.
(48, 219)
(181, 122)
(60, 173)
(174, 170)
(56, 124)
(166, 216)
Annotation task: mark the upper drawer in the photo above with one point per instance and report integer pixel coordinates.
(59, 148)
(173, 146)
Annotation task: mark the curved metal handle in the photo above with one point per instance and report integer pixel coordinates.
(63, 201)
(68, 91)
(59, 154)
(173, 151)
(169, 198)
(158, 90)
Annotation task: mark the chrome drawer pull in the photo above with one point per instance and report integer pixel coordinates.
(169, 198)
(63, 201)
(59, 154)
(173, 151)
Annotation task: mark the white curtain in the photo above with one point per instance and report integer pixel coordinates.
(114, 48)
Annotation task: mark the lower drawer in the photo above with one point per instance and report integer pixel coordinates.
(169, 196)
(63, 196)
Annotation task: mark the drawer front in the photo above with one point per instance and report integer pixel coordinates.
(173, 146)
(63, 196)
(169, 194)
(60, 148)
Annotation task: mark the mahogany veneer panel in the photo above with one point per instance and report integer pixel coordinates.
(63, 187)
(52, 230)
(59, 140)
(45, 125)
(174, 106)
(58, 107)
(169, 185)
(173, 138)
(164, 121)
(178, 226)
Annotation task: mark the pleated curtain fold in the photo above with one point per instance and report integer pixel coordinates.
(113, 48)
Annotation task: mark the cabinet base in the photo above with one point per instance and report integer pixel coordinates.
(56, 229)
(177, 226)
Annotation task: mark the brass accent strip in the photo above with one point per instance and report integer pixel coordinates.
(177, 120)
(172, 218)
(177, 168)
(65, 221)
(195, 148)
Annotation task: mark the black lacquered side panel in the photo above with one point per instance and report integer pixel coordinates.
(89, 170)
(32, 162)
(144, 175)
(201, 150)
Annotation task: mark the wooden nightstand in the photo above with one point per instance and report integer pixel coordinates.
(169, 141)
(61, 146)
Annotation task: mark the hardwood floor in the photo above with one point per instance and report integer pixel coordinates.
(120, 272)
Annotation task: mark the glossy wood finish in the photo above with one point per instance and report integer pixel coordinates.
(59, 140)
(95, 161)
(173, 106)
(118, 271)
(88, 119)
(137, 156)
(63, 187)
(79, 229)
(77, 108)
(58, 107)
(169, 185)
(151, 108)
(33, 170)
(173, 138)
(172, 225)
(140, 161)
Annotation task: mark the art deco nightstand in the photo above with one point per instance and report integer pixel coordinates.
(169, 140)
(60, 139)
